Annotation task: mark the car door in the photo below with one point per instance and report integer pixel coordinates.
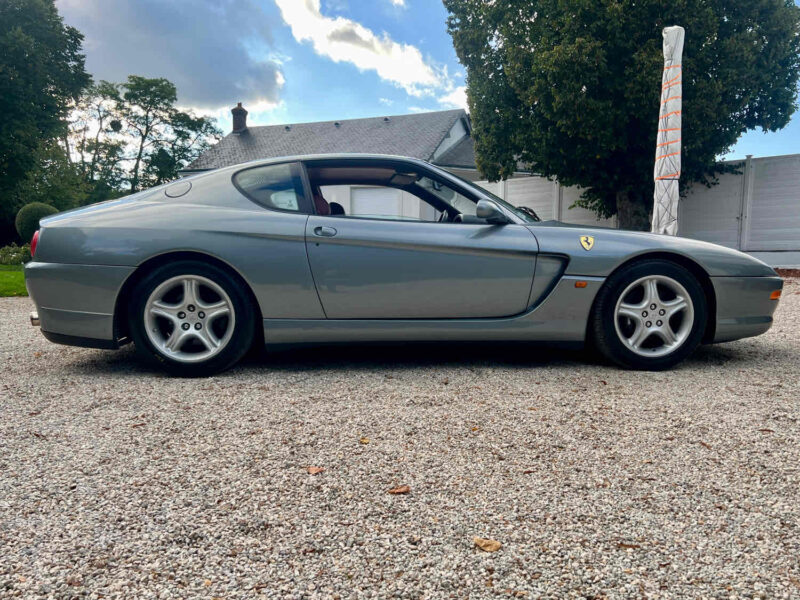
(373, 268)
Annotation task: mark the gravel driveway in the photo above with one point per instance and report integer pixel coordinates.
(118, 482)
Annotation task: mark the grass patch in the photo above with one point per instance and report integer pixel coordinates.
(12, 281)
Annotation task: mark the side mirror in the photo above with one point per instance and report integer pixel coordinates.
(490, 213)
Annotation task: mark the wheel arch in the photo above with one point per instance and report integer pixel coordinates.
(121, 331)
(695, 269)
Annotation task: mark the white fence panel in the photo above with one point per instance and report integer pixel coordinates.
(757, 210)
(713, 214)
(578, 215)
(773, 210)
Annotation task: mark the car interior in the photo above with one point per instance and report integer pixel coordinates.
(386, 191)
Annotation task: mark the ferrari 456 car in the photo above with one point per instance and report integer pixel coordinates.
(365, 248)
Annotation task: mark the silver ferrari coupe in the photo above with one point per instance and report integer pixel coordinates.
(365, 248)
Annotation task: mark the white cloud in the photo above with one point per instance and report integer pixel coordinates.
(400, 3)
(216, 53)
(386, 101)
(457, 98)
(344, 40)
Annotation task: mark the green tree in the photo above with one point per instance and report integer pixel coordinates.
(162, 138)
(572, 88)
(41, 72)
(95, 141)
(55, 180)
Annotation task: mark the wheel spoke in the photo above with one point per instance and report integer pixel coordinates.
(167, 311)
(639, 336)
(651, 292)
(216, 310)
(190, 292)
(176, 340)
(207, 337)
(675, 306)
(633, 312)
(666, 334)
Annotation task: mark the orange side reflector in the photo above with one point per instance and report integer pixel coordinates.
(581, 284)
(776, 295)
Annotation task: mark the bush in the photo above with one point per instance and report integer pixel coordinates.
(15, 255)
(27, 221)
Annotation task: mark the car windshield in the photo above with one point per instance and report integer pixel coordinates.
(527, 218)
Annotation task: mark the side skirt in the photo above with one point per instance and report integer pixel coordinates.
(562, 317)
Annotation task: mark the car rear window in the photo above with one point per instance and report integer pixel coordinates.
(279, 187)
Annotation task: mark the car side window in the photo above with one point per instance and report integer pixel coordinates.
(278, 187)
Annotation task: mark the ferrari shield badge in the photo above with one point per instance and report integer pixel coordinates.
(587, 242)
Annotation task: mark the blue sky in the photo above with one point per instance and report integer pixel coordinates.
(298, 60)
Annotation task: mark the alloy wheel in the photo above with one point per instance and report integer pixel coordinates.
(189, 318)
(654, 316)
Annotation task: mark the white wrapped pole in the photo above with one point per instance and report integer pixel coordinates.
(668, 149)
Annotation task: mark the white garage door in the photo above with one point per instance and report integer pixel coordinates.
(385, 202)
(534, 192)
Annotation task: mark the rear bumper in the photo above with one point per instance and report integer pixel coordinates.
(744, 307)
(76, 302)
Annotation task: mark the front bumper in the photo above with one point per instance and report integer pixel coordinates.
(75, 301)
(744, 306)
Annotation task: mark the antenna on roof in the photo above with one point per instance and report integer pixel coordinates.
(385, 119)
(288, 128)
(337, 124)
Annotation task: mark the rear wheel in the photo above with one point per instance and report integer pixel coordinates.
(192, 318)
(650, 315)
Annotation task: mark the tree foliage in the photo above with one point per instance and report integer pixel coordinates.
(129, 136)
(573, 88)
(41, 74)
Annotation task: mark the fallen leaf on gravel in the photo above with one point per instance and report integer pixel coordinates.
(37, 354)
(207, 583)
(527, 471)
(34, 413)
(314, 470)
(604, 382)
(74, 580)
(403, 489)
(704, 445)
(475, 429)
(138, 424)
(536, 575)
(624, 546)
(487, 545)
(767, 430)
(39, 435)
(364, 440)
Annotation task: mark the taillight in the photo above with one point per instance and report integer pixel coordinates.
(34, 243)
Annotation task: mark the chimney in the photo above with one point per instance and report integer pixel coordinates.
(239, 118)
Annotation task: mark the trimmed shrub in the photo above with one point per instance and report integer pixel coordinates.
(27, 221)
(15, 255)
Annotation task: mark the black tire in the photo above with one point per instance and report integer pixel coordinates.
(241, 338)
(603, 320)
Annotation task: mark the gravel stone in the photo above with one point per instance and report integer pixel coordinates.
(117, 481)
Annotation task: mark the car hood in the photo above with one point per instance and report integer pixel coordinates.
(612, 247)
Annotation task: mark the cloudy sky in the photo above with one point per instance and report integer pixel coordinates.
(296, 60)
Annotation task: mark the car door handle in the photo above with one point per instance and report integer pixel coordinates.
(324, 231)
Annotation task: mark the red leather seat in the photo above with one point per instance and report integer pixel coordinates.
(320, 204)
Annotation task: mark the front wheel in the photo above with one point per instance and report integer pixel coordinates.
(192, 318)
(649, 315)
